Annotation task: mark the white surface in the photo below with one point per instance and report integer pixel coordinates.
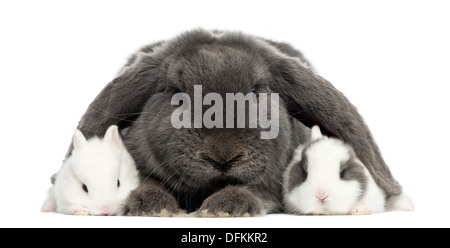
(391, 59)
(386, 220)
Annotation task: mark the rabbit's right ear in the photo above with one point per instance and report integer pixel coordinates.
(112, 136)
(315, 133)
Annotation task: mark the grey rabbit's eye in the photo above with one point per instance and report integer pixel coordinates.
(342, 174)
(85, 188)
(173, 89)
(260, 87)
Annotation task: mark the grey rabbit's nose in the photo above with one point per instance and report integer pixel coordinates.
(221, 163)
(222, 149)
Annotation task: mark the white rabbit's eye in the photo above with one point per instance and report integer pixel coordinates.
(85, 188)
(118, 183)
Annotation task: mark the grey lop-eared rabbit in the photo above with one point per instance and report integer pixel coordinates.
(222, 171)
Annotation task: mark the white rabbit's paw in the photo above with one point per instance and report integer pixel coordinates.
(361, 210)
(81, 212)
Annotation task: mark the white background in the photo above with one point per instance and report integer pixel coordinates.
(390, 58)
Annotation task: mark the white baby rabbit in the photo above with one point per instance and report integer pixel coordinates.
(326, 177)
(96, 179)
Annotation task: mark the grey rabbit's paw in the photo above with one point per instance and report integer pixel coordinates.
(232, 201)
(151, 200)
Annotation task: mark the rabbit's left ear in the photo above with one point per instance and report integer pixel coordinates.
(78, 139)
(314, 101)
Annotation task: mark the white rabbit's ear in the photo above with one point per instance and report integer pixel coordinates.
(315, 133)
(78, 140)
(112, 136)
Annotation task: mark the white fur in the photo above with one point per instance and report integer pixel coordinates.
(315, 133)
(400, 202)
(324, 159)
(374, 199)
(97, 163)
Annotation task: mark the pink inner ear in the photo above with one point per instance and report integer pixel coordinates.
(112, 135)
(78, 139)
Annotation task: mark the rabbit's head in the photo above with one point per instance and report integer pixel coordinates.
(193, 126)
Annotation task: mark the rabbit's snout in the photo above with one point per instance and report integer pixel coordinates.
(222, 154)
(222, 164)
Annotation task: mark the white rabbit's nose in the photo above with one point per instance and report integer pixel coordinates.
(321, 196)
(106, 211)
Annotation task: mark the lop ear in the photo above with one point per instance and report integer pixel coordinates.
(122, 100)
(315, 133)
(112, 136)
(78, 139)
(315, 101)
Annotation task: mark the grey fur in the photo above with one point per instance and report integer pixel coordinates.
(233, 200)
(223, 62)
(151, 197)
(351, 170)
(298, 173)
